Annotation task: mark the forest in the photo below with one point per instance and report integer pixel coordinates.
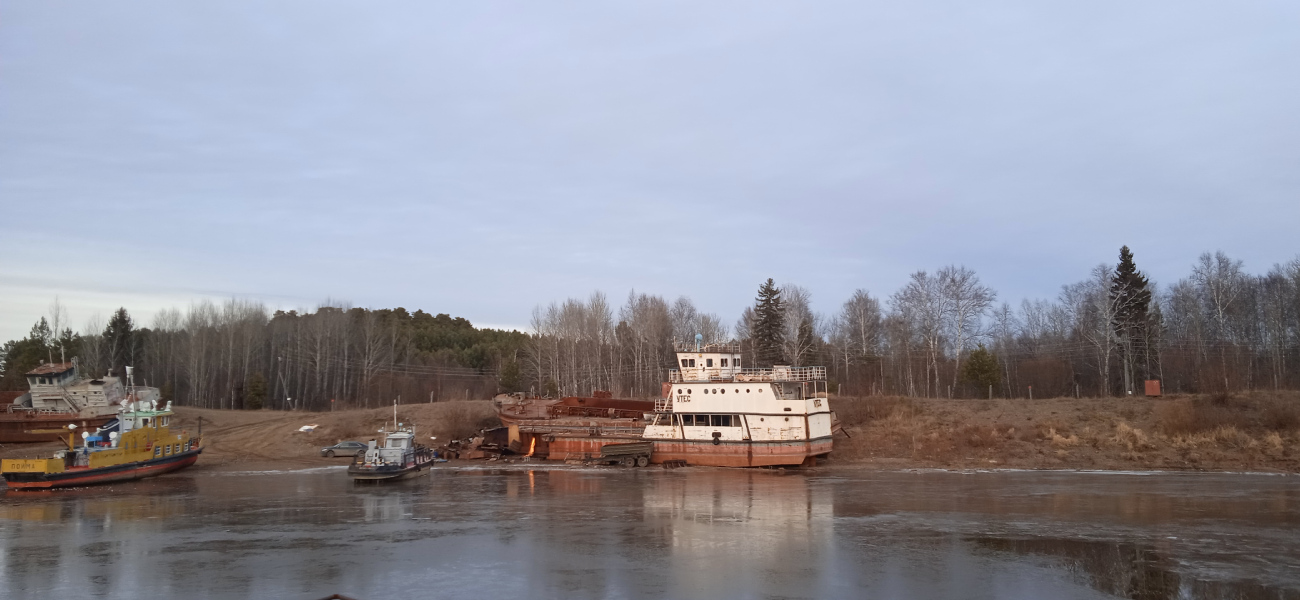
(942, 334)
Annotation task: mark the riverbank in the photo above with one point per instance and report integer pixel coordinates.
(237, 440)
(1258, 431)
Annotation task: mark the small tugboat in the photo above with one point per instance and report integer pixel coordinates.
(138, 443)
(399, 458)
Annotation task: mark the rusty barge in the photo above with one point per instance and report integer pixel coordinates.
(712, 412)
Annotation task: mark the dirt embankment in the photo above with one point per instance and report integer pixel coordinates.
(1244, 432)
(1257, 431)
(269, 439)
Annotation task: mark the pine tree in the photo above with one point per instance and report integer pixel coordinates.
(1132, 301)
(982, 369)
(119, 336)
(769, 325)
(255, 399)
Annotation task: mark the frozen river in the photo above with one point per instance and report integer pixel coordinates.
(556, 532)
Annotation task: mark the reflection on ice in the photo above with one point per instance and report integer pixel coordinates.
(651, 533)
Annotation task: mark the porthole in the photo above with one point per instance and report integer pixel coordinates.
(787, 418)
(737, 391)
(724, 390)
(746, 390)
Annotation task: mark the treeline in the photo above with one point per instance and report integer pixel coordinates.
(944, 334)
(240, 355)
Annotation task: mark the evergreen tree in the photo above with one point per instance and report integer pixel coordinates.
(769, 325)
(119, 336)
(255, 398)
(511, 378)
(17, 357)
(982, 370)
(1132, 301)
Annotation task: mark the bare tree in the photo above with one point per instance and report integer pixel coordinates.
(925, 305)
(1220, 282)
(967, 301)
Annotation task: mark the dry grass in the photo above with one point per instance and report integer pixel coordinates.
(1256, 413)
(1233, 432)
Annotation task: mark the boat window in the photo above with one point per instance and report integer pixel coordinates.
(157, 450)
(722, 362)
(684, 363)
(708, 362)
(737, 362)
(692, 362)
(688, 420)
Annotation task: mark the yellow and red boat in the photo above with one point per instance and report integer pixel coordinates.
(139, 443)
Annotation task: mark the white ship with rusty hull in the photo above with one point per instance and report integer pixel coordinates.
(715, 412)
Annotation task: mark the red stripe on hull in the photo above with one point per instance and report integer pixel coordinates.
(739, 454)
(699, 452)
(138, 473)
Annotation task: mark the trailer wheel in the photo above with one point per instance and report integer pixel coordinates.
(642, 461)
(626, 462)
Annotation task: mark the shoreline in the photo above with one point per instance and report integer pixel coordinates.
(1245, 433)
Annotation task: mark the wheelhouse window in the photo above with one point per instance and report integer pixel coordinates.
(722, 362)
(684, 363)
(708, 362)
(692, 362)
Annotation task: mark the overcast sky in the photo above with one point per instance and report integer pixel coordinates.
(479, 159)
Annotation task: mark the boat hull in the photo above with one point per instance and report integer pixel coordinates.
(101, 475)
(741, 453)
(387, 474)
(14, 426)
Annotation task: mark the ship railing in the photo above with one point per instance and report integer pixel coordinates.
(721, 348)
(663, 404)
(757, 375)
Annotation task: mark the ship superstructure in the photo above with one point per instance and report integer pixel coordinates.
(59, 394)
(718, 412)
